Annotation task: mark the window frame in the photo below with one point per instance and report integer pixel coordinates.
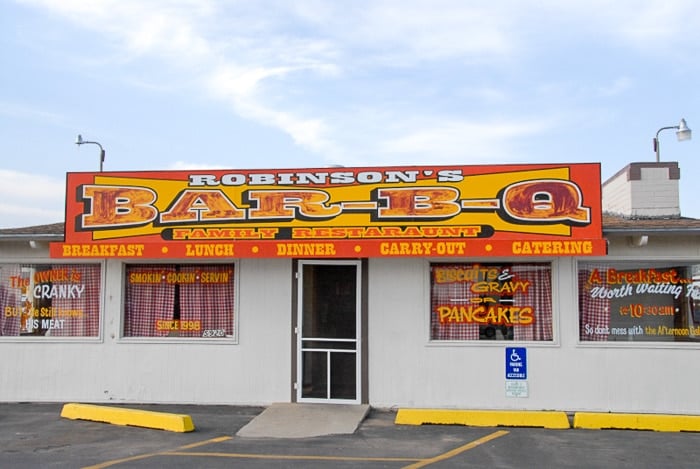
(233, 339)
(620, 261)
(554, 266)
(34, 339)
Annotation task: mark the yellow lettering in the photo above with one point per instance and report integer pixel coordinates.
(306, 249)
(552, 247)
(102, 250)
(209, 250)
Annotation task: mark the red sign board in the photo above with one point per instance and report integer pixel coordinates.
(433, 211)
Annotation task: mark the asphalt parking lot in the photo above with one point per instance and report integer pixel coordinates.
(34, 435)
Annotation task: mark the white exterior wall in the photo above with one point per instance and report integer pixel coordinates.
(255, 370)
(405, 368)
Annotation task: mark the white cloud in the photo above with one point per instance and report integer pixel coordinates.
(408, 31)
(645, 27)
(236, 60)
(145, 26)
(241, 84)
(459, 141)
(485, 94)
(655, 25)
(185, 165)
(241, 87)
(617, 87)
(176, 31)
(16, 186)
(23, 111)
(30, 199)
(264, 58)
(33, 215)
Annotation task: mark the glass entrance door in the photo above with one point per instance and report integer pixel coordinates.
(328, 351)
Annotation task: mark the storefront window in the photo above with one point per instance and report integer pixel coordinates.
(491, 302)
(173, 300)
(50, 300)
(639, 302)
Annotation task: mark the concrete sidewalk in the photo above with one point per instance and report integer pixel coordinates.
(293, 420)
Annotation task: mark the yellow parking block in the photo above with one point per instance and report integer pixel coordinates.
(655, 422)
(133, 417)
(483, 418)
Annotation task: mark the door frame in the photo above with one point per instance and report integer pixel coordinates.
(361, 384)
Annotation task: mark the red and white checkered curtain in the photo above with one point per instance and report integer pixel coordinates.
(452, 293)
(594, 312)
(539, 297)
(146, 303)
(209, 303)
(88, 324)
(9, 298)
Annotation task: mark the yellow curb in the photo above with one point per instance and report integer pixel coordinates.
(133, 417)
(483, 418)
(656, 422)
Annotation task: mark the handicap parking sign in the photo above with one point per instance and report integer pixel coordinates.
(516, 363)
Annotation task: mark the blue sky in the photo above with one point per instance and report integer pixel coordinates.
(292, 84)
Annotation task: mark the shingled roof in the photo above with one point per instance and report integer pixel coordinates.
(613, 224)
(52, 232)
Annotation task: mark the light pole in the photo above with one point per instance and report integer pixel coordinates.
(79, 141)
(682, 132)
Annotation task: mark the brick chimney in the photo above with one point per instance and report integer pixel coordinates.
(644, 190)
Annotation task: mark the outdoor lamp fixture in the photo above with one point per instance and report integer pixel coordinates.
(79, 141)
(682, 132)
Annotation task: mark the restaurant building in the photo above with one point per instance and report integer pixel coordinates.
(475, 287)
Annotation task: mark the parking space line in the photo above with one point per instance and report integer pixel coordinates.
(292, 457)
(218, 439)
(183, 451)
(159, 453)
(456, 451)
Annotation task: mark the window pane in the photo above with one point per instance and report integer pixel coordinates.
(51, 300)
(491, 302)
(330, 301)
(171, 300)
(343, 375)
(315, 380)
(639, 302)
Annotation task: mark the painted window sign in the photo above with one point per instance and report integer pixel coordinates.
(173, 300)
(50, 300)
(514, 210)
(491, 302)
(649, 302)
